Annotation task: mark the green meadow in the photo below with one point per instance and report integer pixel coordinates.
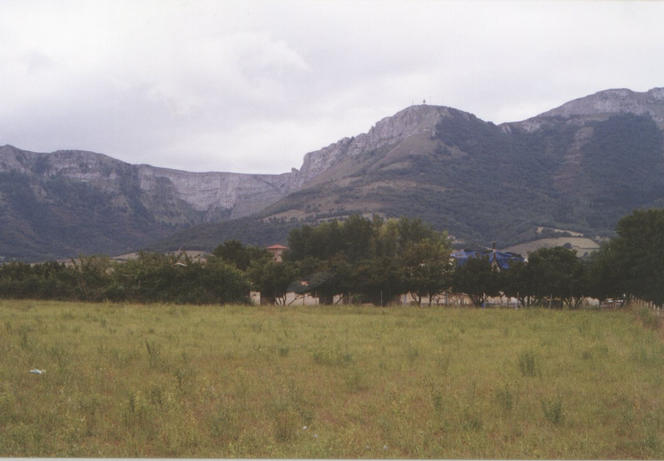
(126, 380)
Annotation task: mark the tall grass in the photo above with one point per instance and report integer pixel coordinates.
(345, 381)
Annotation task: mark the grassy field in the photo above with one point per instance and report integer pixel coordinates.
(174, 381)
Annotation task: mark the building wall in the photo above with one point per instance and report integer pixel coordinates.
(295, 299)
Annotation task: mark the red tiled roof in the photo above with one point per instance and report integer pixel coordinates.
(277, 247)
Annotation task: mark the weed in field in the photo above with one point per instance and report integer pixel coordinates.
(157, 397)
(89, 408)
(332, 357)
(7, 406)
(60, 355)
(224, 425)
(154, 354)
(183, 378)
(528, 364)
(285, 424)
(645, 354)
(601, 350)
(651, 441)
(355, 381)
(584, 327)
(553, 410)
(412, 353)
(139, 417)
(649, 318)
(623, 412)
(505, 398)
(444, 363)
(283, 351)
(236, 337)
(472, 419)
(437, 400)
(24, 341)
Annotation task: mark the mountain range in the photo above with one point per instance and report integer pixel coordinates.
(578, 167)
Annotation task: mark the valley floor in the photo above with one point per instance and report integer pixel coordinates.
(237, 381)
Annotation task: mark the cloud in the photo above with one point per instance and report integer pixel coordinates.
(252, 86)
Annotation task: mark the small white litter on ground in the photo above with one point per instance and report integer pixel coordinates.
(37, 371)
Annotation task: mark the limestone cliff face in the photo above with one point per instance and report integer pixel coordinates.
(64, 203)
(602, 105)
(216, 194)
(209, 195)
(411, 121)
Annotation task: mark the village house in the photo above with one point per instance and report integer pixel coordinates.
(277, 252)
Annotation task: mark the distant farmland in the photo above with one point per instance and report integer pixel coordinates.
(315, 382)
(581, 245)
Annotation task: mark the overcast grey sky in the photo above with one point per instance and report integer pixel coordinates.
(251, 86)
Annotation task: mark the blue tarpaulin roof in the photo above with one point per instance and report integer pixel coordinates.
(502, 258)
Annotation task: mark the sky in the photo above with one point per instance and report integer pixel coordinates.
(251, 86)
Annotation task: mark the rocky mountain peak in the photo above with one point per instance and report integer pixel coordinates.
(413, 120)
(614, 101)
(409, 121)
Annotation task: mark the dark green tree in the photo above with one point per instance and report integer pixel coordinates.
(239, 255)
(477, 278)
(517, 281)
(378, 280)
(374, 259)
(638, 254)
(604, 273)
(272, 279)
(426, 268)
(558, 277)
(92, 277)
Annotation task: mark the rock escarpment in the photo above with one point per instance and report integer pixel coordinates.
(67, 202)
(210, 195)
(602, 105)
(420, 119)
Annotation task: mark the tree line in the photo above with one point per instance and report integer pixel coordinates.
(363, 260)
(152, 277)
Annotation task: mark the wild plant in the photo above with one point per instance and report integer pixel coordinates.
(649, 318)
(412, 353)
(154, 354)
(332, 357)
(437, 400)
(224, 425)
(355, 380)
(553, 410)
(505, 398)
(283, 351)
(285, 421)
(528, 364)
(472, 419)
